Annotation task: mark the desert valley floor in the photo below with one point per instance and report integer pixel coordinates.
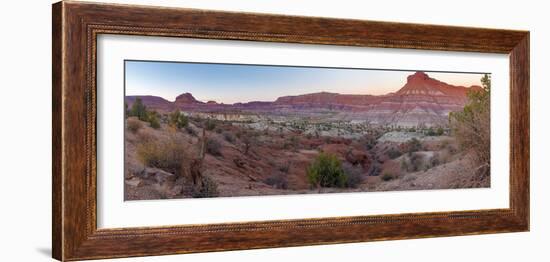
(398, 141)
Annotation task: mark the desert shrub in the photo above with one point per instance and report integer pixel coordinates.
(206, 188)
(178, 120)
(413, 145)
(229, 137)
(435, 160)
(369, 140)
(326, 171)
(416, 162)
(167, 155)
(277, 180)
(430, 132)
(471, 126)
(153, 119)
(213, 147)
(140, 111)
(375, 170)
(354, 175)
(284, 167)
(387, 176)
(209, 124)
(393, 153)
(249, 140)
(133, 124)
(190, 130)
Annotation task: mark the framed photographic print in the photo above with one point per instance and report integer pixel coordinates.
(182, 130)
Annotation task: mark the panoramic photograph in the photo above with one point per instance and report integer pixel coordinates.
(201, 130)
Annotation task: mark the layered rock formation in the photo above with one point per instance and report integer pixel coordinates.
(421, 101)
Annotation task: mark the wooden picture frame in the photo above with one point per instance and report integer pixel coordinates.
(76, 26)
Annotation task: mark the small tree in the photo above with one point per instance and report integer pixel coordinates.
(326, 171)
(471, 126)
(139, 110)
(178, 120)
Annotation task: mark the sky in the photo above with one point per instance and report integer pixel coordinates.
(232, 83)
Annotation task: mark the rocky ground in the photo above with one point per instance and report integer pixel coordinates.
(275, 162)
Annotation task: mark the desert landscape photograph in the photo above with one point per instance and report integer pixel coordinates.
(201, 130)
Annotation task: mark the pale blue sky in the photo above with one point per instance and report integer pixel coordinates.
(231, 83)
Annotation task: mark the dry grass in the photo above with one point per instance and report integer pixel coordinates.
(133, 124)
(213, 147)
(168, 155)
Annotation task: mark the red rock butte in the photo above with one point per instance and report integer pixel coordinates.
(421, 101)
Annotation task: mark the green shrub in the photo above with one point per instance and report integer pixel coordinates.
(430, 132)
(133, 124)
(153, 119)
(326, 171)
(387, 176)
(206, 188)
(472, 125)
(168, 155)
(213, 147)
(178, 120)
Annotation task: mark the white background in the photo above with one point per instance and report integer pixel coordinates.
(25, 136)
(114, 212)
